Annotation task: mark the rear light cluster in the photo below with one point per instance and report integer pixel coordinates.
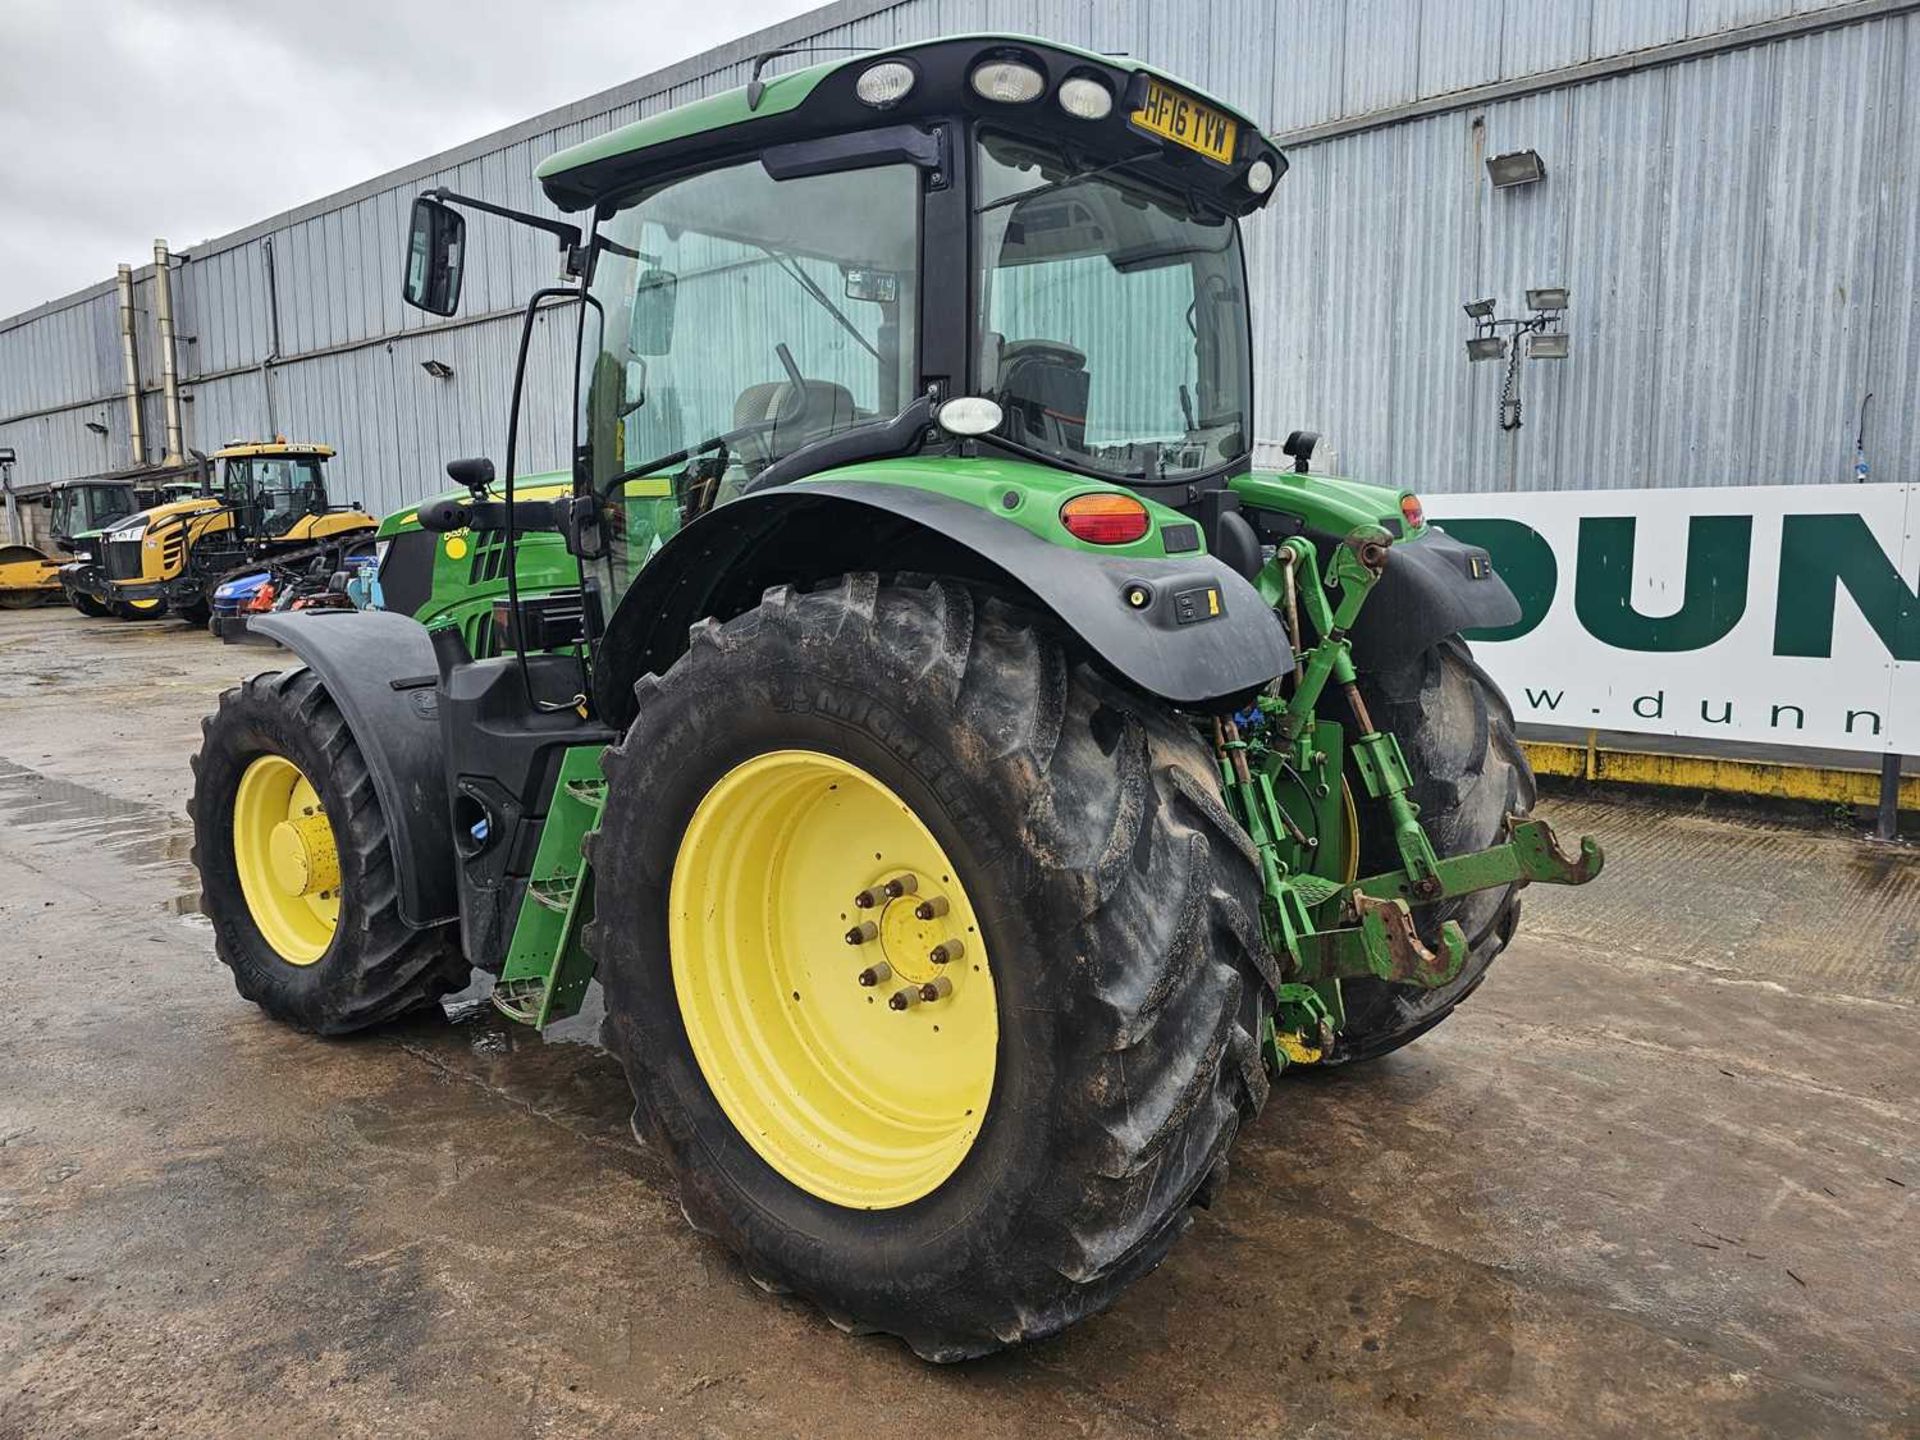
(1412, 511)
(1105, 519)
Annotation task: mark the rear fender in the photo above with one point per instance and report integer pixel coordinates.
(1227, 645)
(380, 671)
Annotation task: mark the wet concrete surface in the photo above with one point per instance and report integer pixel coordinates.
(1657, 1176)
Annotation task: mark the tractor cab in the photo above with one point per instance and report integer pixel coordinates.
(1020, 254)
(270, 488)
(85, 507)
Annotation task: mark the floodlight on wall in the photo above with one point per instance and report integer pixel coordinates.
(1547, 347)
(1480, 309)
(96, 427)
(438, 369)
(1487, 347)
(1548, 297)
(7, 457)
(1517, 167)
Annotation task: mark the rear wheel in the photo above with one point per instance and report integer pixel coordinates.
(296, 871)
(966, 1151)
(137, 609)
(1469, 774)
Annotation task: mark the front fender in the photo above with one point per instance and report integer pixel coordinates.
(1202, 635)
(380, 671)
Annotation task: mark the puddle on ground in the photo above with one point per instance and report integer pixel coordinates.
(141, 834)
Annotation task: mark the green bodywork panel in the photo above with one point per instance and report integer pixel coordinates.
(783, 93)
(469, 569)
(1326, 502)
(1020, 492)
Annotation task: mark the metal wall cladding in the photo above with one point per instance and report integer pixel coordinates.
(1739, 232)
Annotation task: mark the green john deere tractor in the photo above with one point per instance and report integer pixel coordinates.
(969, 778)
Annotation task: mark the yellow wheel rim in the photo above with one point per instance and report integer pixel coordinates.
(143, 605)
(840, 1075)
(289, 867)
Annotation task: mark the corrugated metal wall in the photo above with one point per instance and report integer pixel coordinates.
(1740, 231)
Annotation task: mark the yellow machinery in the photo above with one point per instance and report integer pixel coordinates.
(269, 501)
(27, 577)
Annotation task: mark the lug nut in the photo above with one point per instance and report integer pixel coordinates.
(947, 951)
(869, 898)
(862, 933)
(875, 974)
(900, 885)
(937, 988)
(932, 908)
(903, 999)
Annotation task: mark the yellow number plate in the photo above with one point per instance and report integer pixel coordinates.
(1185, 121)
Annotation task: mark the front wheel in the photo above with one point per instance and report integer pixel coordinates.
(137, 609)
(1469, 775)
(932, 956)
(296, 868)
(87, 605)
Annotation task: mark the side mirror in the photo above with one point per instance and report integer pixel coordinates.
(654, 299)
(436, 257)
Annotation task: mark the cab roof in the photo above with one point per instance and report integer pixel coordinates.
(252, 449)
(818, 100)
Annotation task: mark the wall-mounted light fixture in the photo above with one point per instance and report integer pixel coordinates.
(1517, 167)
(96, 427)
(438, 369)
(1546, 339)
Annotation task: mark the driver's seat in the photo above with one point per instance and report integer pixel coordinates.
(820, 408)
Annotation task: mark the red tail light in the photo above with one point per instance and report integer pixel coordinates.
(1105, 519)
(1414, 512)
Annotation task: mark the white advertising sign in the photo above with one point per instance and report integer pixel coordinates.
(1785, 614)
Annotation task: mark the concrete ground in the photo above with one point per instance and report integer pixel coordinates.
(1657, 1176)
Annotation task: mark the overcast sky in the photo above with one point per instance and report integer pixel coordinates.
(122, 120)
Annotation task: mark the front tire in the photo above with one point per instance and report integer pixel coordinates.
(137, 609)
(1469, 775)
(87, 605)
(296, 869)
(1117, 908)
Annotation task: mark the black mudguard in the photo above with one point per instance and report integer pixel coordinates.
(379, 669)
(720, 565)
(1432, 587)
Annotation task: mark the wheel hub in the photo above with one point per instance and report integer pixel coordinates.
(301, 856)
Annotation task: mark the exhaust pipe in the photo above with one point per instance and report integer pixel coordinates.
(169, 371)
(130, 366)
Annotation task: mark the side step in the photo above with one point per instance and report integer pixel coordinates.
(547, 969)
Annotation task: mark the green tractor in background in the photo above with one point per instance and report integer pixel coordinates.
(970, 780)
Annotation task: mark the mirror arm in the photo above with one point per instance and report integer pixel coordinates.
(568, 234)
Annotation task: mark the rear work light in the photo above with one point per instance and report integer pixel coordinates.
(1105, 519)
(1010, 82)
(1413, 511)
